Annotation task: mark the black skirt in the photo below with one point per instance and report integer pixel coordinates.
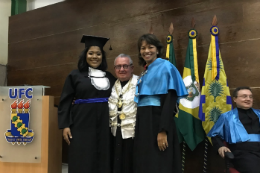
(89, 149)
(150, 121)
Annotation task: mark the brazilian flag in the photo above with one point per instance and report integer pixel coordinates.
(187, 120)
(215, 96)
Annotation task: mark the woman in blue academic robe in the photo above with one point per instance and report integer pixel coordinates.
(156, 145)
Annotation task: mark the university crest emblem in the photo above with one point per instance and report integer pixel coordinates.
(19, 121)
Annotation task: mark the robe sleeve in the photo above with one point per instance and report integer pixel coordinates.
(168, 106)
(217, 142)
(65, 105)
(219, 128)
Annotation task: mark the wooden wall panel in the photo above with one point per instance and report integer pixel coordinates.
(71, 15)
(44, 44)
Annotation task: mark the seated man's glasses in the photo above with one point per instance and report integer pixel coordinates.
(245, 96)
(125, 66)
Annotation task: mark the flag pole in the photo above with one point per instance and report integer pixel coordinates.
(183, 156)
(214, 23)
(170, 55)
(151, 29)
(205, 166)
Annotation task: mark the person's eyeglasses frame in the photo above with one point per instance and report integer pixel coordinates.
(125, 66)
(245, 96)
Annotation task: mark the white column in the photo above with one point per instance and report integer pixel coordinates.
(30, 5)
(43, 3)
(5, 12)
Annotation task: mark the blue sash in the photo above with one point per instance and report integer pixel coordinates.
(94, 100)
(149, 100)
(254, 137)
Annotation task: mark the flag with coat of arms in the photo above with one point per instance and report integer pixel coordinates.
(187, 120)
(215, 95)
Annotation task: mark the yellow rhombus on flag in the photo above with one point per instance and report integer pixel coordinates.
(187, 120)
(215, 96)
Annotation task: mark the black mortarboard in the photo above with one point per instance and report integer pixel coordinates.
(90, 40)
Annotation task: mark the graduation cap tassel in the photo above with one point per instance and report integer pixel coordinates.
(110, 47)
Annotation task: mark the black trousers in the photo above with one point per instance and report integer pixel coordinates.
(246, 161)
(123, 154)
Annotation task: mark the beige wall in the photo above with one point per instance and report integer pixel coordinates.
(34, 4)
(5, 12)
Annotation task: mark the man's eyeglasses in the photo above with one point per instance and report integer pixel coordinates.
(245, 96)
(118, 67)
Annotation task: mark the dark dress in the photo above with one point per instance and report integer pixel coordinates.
(89, 150)
(247, 154)
(123, 150)
(150, 121)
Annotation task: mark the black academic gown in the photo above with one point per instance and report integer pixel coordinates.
(89, 150)
(247, 154)
(123, 150)
(150, 121)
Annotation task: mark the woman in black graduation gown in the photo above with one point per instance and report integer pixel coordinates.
(156, 145)
(85, 124)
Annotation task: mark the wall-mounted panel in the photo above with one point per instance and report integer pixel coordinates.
(44, 44)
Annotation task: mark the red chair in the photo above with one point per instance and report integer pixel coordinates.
(232, 170)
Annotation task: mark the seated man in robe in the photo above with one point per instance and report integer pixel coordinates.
(240, 128)
(122, 112)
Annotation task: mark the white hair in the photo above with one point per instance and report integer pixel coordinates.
(124, 56)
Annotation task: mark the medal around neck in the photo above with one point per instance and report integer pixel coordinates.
(120, 91)
(122, 116)
(120, 103)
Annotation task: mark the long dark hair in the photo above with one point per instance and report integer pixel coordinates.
(152, 40)
(83, 65)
